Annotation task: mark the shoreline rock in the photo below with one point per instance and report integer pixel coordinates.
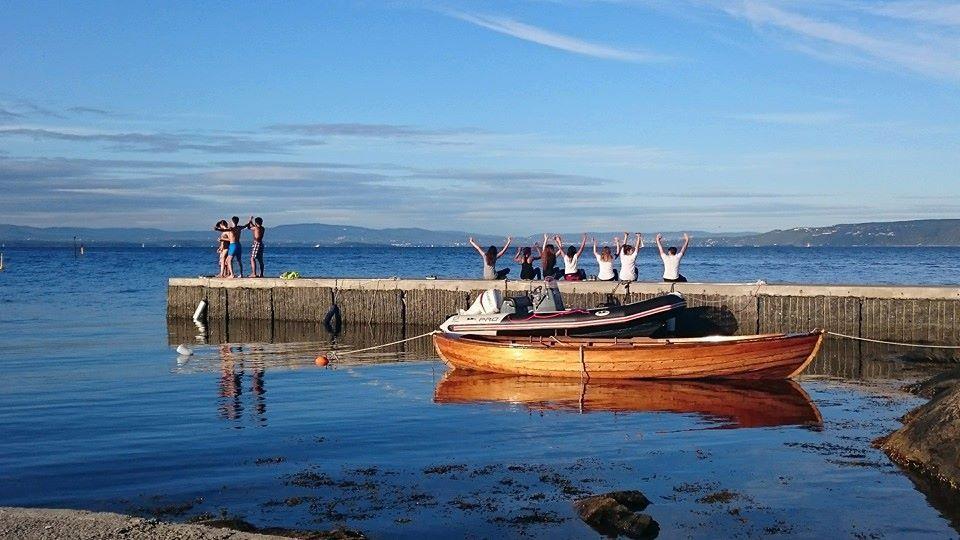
(929, 388)
(54, 523)
(929, 441)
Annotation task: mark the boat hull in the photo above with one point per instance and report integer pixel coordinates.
(772, 356)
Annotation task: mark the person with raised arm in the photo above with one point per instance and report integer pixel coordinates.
(628, 256)
(490, 257)
(671, 259)
(548, 259)
(605, 259)
(525, 258)
(234, 250)
(571, 259)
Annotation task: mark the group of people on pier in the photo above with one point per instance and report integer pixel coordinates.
(547, 253)
(230, 251)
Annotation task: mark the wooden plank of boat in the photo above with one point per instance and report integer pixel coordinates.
(769, 356)
(734, 402)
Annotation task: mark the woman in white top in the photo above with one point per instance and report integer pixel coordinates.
(571, 260)
(671, 260)
(628, 257)
(605, 259)
(490, 257)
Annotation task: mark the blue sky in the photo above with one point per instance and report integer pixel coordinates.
(510, 117)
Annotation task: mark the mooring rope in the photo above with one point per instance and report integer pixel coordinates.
(914, 345)
(414, 338)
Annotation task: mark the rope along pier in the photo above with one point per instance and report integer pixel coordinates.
(334, 354)
(897, 343)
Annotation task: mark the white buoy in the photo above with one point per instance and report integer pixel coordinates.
(200, 311)
(183, 350)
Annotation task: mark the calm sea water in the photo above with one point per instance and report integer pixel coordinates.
(98, 412)
(908, 266)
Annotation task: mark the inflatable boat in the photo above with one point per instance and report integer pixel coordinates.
(542, 314)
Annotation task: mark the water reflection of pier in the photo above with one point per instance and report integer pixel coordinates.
(296, 344)
(303, 341)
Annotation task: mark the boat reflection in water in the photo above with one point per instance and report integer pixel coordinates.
(732, 403)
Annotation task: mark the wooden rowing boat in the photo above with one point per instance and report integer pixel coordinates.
(733, 403)
(769, 356)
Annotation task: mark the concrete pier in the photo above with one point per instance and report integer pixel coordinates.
(927, 315)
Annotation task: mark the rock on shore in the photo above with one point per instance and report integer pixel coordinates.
(929, 440)
(50, 523)
(44, 523)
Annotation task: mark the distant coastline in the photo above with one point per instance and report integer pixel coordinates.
(916, 233)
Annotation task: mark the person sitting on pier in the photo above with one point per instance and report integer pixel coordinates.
(490, 257)
(628, 256)
(222, 244)
(571, 260)
(256, 248)
(671, 260)
(548, 260)
(525, 257)
(605, 259)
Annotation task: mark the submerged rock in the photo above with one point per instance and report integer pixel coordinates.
(617, 514)
(929, 440)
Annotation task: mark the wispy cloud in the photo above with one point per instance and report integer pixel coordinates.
(397, 132)
(555, 40)
(939, 13)
(814, 118)
(98, 191)
(24, 108)
(7, 114)
(152, 142)
(926, 52)
(92, 111)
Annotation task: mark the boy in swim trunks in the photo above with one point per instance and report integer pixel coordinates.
(256, 249)
(234, 251)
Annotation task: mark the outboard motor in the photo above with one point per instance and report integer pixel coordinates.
(487, 303)
(547, 297)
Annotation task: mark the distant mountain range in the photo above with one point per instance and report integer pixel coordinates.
(931, 232)
(923, 232)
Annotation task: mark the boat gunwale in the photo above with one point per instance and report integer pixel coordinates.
(573, 342)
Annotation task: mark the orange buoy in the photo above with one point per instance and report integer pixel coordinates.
(321, 360)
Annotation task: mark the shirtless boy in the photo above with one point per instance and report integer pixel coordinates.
(256, 249)
(234, 251)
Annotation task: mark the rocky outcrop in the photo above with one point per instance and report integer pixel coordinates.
(934, 385)
(618, 514)
(929, 440)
